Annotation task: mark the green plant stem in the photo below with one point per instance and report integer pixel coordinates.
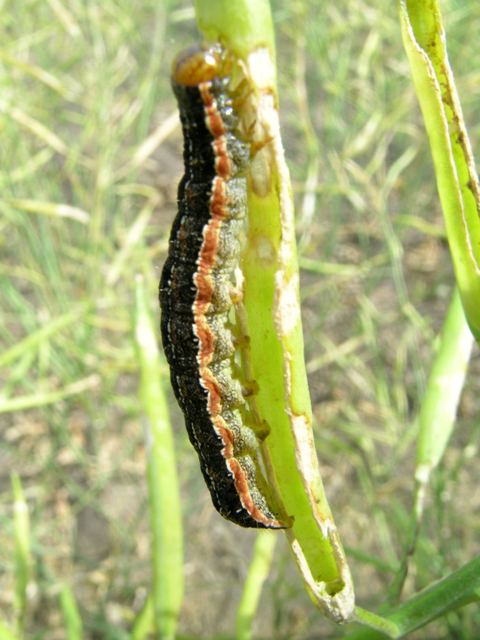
(447, 376)
(242, 25)
(144, 622)
(457, 180)
(252, 588)
(437, 418)
(376, 622)
(71, 615)
(163, 489)
(23, 561)
(455, 590)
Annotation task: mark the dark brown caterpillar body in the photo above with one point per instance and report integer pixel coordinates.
(195, 292)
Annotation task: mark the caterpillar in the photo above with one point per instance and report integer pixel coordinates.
(196, 288)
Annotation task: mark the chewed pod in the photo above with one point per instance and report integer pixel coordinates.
(196, 292)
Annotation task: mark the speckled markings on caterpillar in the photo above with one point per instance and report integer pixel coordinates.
(196, 291)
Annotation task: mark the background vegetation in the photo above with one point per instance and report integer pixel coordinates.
(90, 159)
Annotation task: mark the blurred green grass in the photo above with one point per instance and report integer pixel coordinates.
(89, 162)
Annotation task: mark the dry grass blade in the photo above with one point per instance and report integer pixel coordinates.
(50, 209)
